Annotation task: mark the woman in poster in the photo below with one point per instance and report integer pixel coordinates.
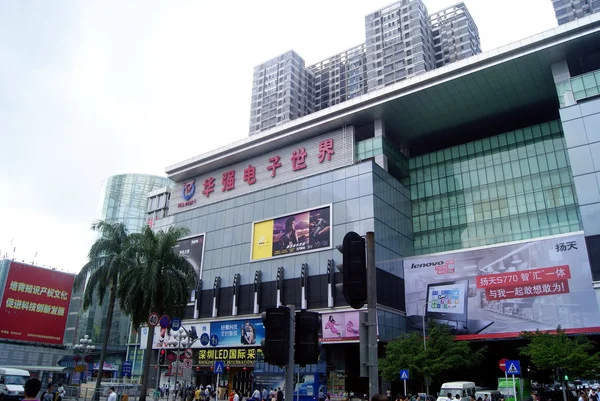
(350, 329)
(248, 334)
(331, 326)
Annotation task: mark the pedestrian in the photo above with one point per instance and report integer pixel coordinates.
(60, 392)
(593, 395)
(156, 394)
(167, 389)
(279, 394)
(49, 394)
(112, 396)
(583, 396)
(388, 394)
(236, 396)
(256, 395)
(32, 388)
(321, 395)
(265, 394)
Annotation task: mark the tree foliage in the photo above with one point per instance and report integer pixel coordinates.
(554, 349)
(443, 354)
(109, 257)
(160, 282)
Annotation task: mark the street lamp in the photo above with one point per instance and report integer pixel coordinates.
(84, 347)
(181, 337)
(424, 334)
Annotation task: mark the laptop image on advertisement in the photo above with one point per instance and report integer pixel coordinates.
(448, 303)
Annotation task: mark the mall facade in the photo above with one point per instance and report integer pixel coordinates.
(480, 180)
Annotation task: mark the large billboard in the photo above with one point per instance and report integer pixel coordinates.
(304, 231)
(340, 327)
(219, 334)
(500, 291)
(192, 249)
(35, 304)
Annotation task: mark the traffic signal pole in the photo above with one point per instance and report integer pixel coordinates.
(288, 387)
(372, 312)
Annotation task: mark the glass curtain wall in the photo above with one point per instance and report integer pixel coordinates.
(509, 187)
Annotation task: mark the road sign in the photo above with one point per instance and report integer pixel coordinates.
(153, 319)
(175, 324)
(219, 367)
(404, 374)
(513, 367)
(187, 363)
(188, 353)
(204, 339)
(502, 364)
(214, 340)
(164, 321)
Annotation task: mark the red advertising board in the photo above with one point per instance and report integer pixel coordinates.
(35, 304)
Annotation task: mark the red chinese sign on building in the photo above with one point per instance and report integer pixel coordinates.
(35, 304)
(299, 159)
(523, 284)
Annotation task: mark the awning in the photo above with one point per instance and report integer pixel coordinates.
(38, 368)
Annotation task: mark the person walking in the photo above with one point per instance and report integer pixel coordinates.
(49, 394)
(112, 396)
(32, 387)
(279, 394)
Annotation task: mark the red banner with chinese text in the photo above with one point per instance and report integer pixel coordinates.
(35, 304)
(524, 278)
(528, 290)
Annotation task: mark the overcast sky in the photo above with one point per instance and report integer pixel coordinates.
(90, 89)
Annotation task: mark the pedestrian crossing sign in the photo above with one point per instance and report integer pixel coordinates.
(513, 367)
(404, 374)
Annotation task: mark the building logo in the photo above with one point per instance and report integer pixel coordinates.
(189, 189)
(441, 267)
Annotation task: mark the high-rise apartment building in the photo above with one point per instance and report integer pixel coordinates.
(340, 77)
(570, 10)
(455, 35)
(282, 90)
(401, 41)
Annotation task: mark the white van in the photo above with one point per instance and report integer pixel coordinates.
(492, 395)
(11, 384)
(463, 389)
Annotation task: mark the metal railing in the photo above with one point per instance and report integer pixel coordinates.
(74, 393)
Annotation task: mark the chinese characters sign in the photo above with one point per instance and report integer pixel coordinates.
(314, 156)
(231, 356)
(216, 335)
(505, 289)
(304, 231)
(35, 304)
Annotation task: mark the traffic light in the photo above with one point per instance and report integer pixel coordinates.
(276, 345)
(161, 356)
(354, 270)
(306, 338)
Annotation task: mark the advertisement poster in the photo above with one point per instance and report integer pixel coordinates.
(192, 249)
(35, 304)
(303, 231)
(220, 334)
(500, 291)
(340, 327)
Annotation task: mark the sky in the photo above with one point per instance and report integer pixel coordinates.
(89, 89)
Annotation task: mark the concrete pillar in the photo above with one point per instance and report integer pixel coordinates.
(381, 160)
(561, 73)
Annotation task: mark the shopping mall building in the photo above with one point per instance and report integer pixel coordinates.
(480, 180)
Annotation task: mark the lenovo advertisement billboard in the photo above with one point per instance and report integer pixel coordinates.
(35, 304)
(500, 291)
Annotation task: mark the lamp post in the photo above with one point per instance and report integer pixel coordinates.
(84, 347)
(181, 337)
(424, 334)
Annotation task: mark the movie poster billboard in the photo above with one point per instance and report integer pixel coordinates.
(500, 291)
(192, 248)
(35, 304)
(219, 334)
(304, 231)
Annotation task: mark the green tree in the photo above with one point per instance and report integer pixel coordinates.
(443, 354)
(554, 349)
(160, 282)
(108, 258)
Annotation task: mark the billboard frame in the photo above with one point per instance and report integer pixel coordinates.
(203, 235)
(255, 222)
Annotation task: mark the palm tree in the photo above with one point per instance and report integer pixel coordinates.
(109, 257)
(160, 282)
